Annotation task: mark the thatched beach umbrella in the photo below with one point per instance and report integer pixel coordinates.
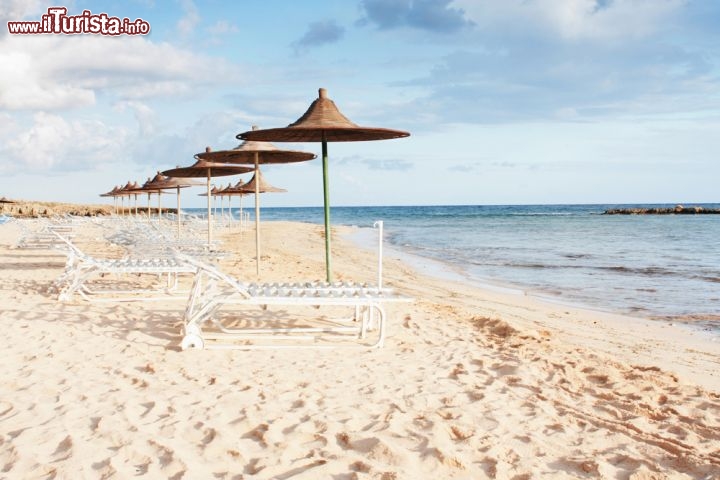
(148, 188)
(112, 193)
(178, 183)
(213, 194)
(201, 168)
(255, 153)
(129, 190)
(323, 122)
(158, 184)
(223, 193)
(256, 186)
(235, 191)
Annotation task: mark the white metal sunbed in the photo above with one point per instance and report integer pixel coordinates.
(82, 269)
(43, 237)
(207, 325)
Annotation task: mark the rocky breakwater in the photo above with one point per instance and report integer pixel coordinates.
(676, 210)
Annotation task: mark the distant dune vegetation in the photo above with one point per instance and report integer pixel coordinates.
(33, 209)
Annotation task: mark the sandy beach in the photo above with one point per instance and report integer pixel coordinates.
(471, 383)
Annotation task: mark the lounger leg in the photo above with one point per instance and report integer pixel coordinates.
(381, 315)
(364, 320)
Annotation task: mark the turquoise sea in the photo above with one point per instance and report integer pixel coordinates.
(654, 266)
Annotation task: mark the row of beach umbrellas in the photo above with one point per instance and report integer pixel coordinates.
(321, 123)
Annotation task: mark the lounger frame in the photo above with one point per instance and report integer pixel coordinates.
(81, 269)
(214, 293)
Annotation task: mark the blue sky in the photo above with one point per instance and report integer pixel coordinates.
(507, 102)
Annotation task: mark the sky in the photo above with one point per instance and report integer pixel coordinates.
(507, 102)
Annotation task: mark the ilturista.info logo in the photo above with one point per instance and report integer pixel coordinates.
(57, 21)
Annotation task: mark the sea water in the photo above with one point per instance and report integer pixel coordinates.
(654, 266)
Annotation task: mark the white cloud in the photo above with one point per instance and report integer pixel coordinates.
(25, 82)
(190, 19)
(54, 143)
(15, 10)
(574, 19)
(57, 72)
(145, 116)
(222, 27)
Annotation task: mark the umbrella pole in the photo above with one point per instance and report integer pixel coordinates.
(136, 206)
(326, 192)
(148, 212)
(257, 216)
(159, 206)
(208, 210)
(178, 210)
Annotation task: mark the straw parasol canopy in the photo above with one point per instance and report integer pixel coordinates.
(323, 122)
(202, 168)
(213, 192)
(257, 184)
(130, 189)
(158, 184)
(6, 200)
(114, 193)
(235, 191)
(111, 193)
(168, 183)
(153, 185)
(254, 153)
(206, 169)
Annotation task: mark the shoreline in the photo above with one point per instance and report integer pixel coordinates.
(471, 383)
(444, 270)
(626, 327)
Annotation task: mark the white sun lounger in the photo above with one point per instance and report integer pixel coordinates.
(81, 270)
(43, 237)
(206, 325)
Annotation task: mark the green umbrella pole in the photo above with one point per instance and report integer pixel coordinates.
(326, 191)
(178, 210)
(208, 210)
(257, 216)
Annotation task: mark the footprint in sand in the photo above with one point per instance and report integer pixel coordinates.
(258, 434)
(5, 408)
(104, 469)
(371, 447)
(504, 369)
(169, 465)
(63, 451)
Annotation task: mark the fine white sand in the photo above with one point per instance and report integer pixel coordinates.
(471, 383)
